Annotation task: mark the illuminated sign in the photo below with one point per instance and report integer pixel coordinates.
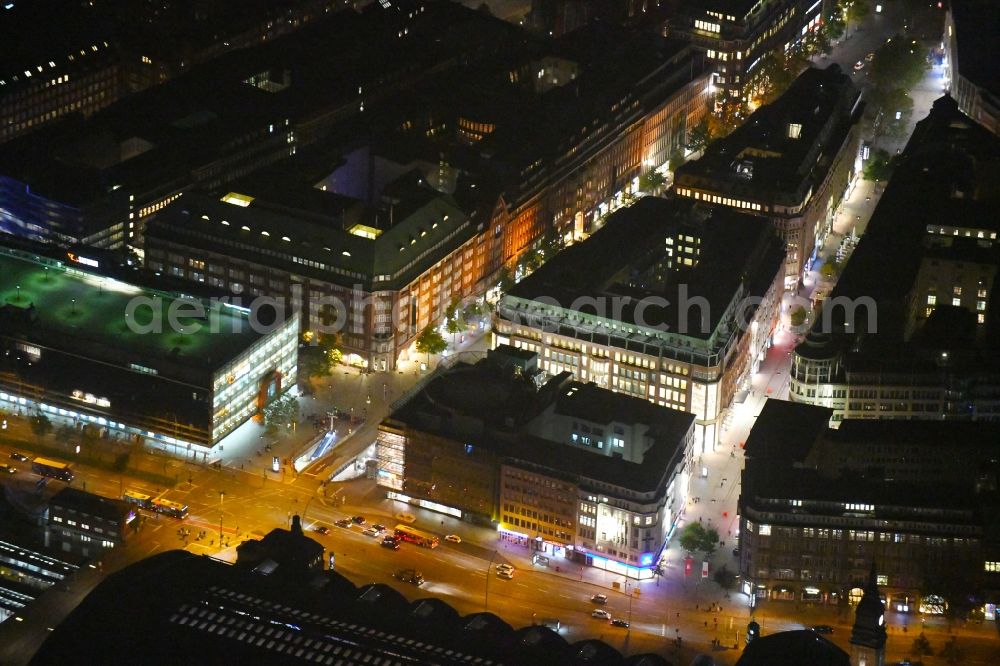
(86, 261)
(91, 399)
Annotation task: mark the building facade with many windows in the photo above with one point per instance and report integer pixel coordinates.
(910, 330)
(683, 324)
(567, 468)
(818, 506)
(791, 162)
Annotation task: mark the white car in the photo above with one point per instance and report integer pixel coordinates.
(454, 538)
(601, 614)
(505, 567)
(505, 573)
(371, 532)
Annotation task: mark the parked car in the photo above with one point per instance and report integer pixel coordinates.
(823, 629)
(600, 599)
(618, 622)
(344, 522)
(322, 529)
(601, 613)
(18, 456)
(8, 469)
(858, 66)
(358, 520)
(454, 538)
(410, 576)
(379, 527)
(371, 532)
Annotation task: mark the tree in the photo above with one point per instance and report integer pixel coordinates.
(651, 181)
(453, 320)
(897, 106)
(921, 647)
(834, 25)
(696, 537)
(320, 354)
(857, 10)
(282, 412)
(41, 425)
(830, 270)
(430, 342)
(724, 577)
(879, 166)
(505, 280)
(676, 159)
(798, 315)
(899, 63)
(700, 135)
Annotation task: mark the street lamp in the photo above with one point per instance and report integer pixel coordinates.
(486, 596)
(222, 496)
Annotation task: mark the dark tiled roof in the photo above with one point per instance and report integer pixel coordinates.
(172, 606)
(793, 647)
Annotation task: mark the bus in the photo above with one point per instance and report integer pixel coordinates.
(413, 535)
(53, 469)
(138, 499)
(168, 508)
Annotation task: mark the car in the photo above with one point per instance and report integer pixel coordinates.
(453, 538)
(870, 57)
(358, 520)
(371, 532)
(601, 613)
(344, 522)
(322, 529)
(599, 599)
(506, 574)
(410, 576)
(503, 566)
(859, 65)
(823, 629)
(18, 456)
(618, 622)
(390, 543)
(8, 469)
(379, 527)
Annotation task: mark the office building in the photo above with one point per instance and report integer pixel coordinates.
(395, 229)
(572, 469)
(83, 57)
(28, 570)
(737, 35)
(791, 162)
(174, 371)
(910, 330)
(819, 505)
(86, 524)
(672, 301)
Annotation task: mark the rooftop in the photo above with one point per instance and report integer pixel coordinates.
(626, 262)
(784, 148)
(90, 504)
(61, 306)
(949, 173)
(493, 408)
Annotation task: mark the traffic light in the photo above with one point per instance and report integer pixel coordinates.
(753, 631)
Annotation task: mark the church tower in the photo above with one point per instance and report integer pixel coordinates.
(868, 634)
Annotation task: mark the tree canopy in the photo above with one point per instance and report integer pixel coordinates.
(430, 341)
(696, 537)
(282, 412)
(41, 425)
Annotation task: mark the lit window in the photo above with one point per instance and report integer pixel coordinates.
(931, 299)
(794, 130)
(956, 302)
(958, 291)
(765, 530)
